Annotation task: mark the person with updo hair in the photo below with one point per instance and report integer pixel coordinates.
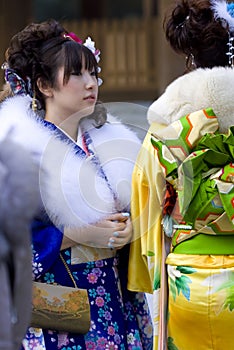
(49, 106)
(182, 189)
(192, 31)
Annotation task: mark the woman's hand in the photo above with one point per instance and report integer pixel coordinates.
(121, 237)
(114, 231)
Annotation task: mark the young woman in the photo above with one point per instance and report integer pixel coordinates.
(182, 201)
(87, 158)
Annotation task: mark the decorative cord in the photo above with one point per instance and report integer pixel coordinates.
(68, 270)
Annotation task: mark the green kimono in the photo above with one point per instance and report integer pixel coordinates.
(194, 207)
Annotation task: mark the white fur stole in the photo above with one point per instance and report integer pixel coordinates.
(73, 191)
(200, 89)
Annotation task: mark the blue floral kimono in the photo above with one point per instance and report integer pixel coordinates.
(120, 319)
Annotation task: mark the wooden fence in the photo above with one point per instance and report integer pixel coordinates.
(129, 55)
(136, 62)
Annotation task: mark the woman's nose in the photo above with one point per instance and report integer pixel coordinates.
(90, 80)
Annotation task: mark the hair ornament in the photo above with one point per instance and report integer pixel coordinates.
(180, 25)
(73, 36)
(224, 11)
(88, 43)
(221, 11)
(230, 52)
(19, 86)
(230, 8)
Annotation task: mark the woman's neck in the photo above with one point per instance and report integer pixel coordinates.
(69, 125)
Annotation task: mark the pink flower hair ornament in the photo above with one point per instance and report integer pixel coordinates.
(73, 37)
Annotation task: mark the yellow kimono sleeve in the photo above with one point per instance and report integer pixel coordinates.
(147, 192)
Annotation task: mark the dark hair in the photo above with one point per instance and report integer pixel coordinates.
(40, 49)
(191, 28)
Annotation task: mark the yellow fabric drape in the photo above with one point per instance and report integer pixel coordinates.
(145, 250)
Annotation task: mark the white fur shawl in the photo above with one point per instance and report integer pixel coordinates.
(200, 89)
(72, 190)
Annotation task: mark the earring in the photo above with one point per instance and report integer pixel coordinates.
(34, 102)
(190, 62)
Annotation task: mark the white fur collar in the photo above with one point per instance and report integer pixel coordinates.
(200, 89)
(72, 189)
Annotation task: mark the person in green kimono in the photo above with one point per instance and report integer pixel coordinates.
(183, 187)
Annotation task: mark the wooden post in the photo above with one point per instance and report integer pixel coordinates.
(169, 65)
(147, 8)
(14, 16)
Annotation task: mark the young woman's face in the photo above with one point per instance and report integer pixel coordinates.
(78, 95)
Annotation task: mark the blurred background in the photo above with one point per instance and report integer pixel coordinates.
(137, 63)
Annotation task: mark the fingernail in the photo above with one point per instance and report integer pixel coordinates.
(110, 246)
(116, 234)
(125, 214)
(111, 240)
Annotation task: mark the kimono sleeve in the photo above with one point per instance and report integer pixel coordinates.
(148, 186)
(46, 240)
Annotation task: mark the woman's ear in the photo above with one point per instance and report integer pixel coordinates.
(44, 88)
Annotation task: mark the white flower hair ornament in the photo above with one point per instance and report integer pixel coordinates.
(89, 43)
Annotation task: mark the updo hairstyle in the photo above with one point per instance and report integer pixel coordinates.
(191, 29)
(41, 49)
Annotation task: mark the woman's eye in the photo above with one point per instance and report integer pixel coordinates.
(75, 73)
(93, 73)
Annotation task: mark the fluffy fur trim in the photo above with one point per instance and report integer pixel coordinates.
(200, 89)
(117, 148)
(72, 189)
